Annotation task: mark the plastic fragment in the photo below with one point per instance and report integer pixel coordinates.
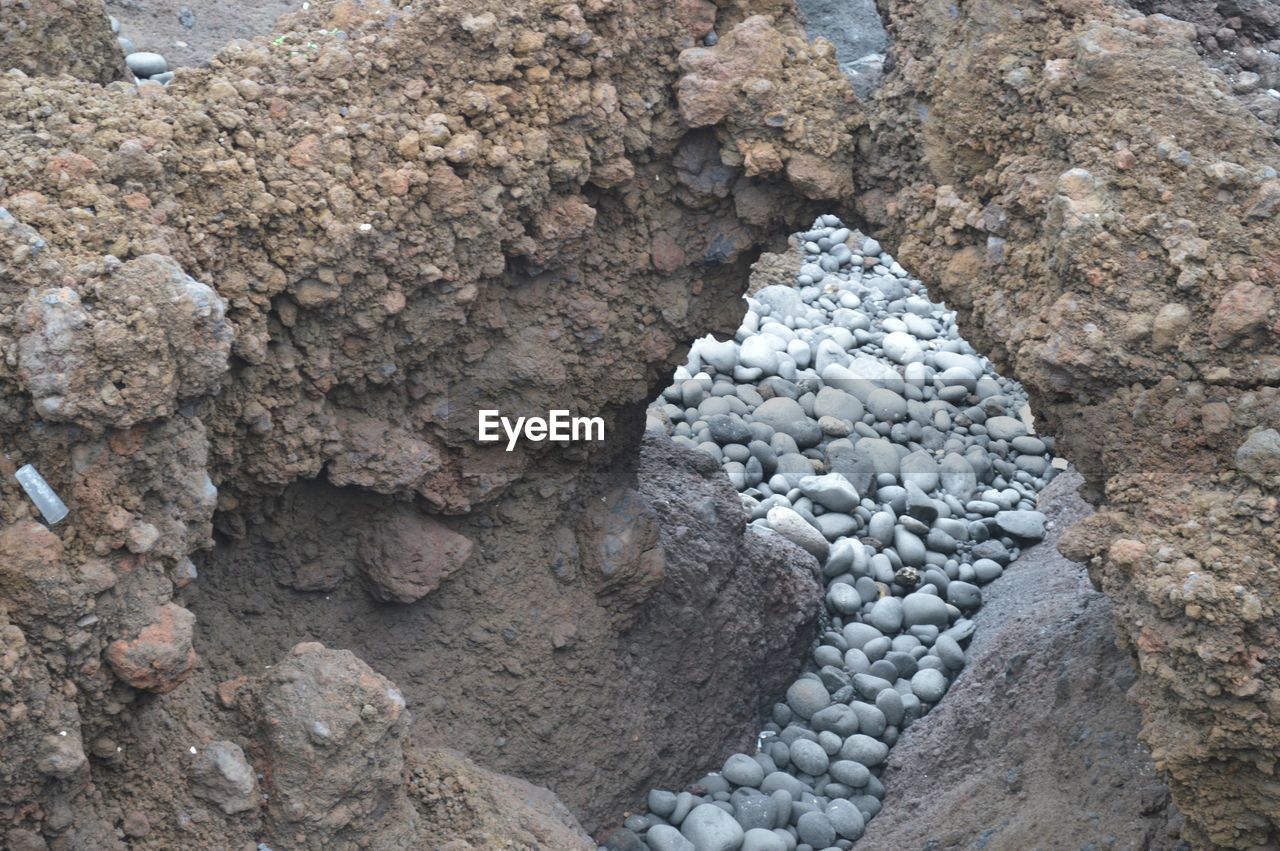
(53, 508)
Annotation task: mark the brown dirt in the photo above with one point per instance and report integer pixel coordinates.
(404, 216)
(1113, 245)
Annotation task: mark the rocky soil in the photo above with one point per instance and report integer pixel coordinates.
(1114, 247)
(247, 319)
(236, 307)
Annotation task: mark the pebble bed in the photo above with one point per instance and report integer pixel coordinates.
(856, 422)
(144, 65)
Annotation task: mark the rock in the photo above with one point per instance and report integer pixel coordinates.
(929, 685)
(833, 402)
(333, 732)
(957, 477)
(1259, 457)
(710, 828)
(809, 757)
(663, 837)
(886, 615)
(741, 770)
(1028, 525)
(161, 656)
(832, 491)
(846, 819)
(759, 839)
(145, 64)
(1005, 428)
(920, 469)
(220, 773)
(924, 609)
(902, 347)
(807, 696)
(887, 405)
(815, 830)
(407, 556)
(964, 595)
(790, 525)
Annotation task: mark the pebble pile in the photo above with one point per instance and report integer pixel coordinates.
(143, 64)
(856, 422)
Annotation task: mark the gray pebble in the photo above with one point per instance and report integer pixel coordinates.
(710, 828)
(145, 64)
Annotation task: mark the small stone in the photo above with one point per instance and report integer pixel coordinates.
(832, 491)
(864, 749)
(1028, 525)
(790, 525)
(664, 837)
(929, 685)
(1259, 457)
(144, 64)
(965, 596)
(886, 615)
(887, 405)
(807, 696)
(710, 828)
(846, 819)
(759, 839)
(221, 774)
(1005, 428)
(815, 830)
(924, 609)
(809, 757)
(742, 770)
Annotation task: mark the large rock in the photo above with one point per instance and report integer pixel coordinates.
(408, 557)
(333, 732)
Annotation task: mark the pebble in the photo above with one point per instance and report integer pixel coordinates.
(929, 685)
(710, 828)
(144, 64)
(858, 424)
(741, 770)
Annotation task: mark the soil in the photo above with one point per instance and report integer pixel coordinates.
(1036, 746)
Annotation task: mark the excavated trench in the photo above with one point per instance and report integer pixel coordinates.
(249, 318)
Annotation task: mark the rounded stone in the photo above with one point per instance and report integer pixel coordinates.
(742, 770)
(846, 819)
(808, 696)
(759, 839)
(144, 64)
(809, 757)
(924, 609)
(664, 837)
(929, 685)
(864, 749)
(815, 829)
(710, 828)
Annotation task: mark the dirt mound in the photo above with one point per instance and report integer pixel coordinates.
(1112, 243)
(51, 37)
(262, 305)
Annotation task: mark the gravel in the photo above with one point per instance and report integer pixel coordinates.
(856, 422)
